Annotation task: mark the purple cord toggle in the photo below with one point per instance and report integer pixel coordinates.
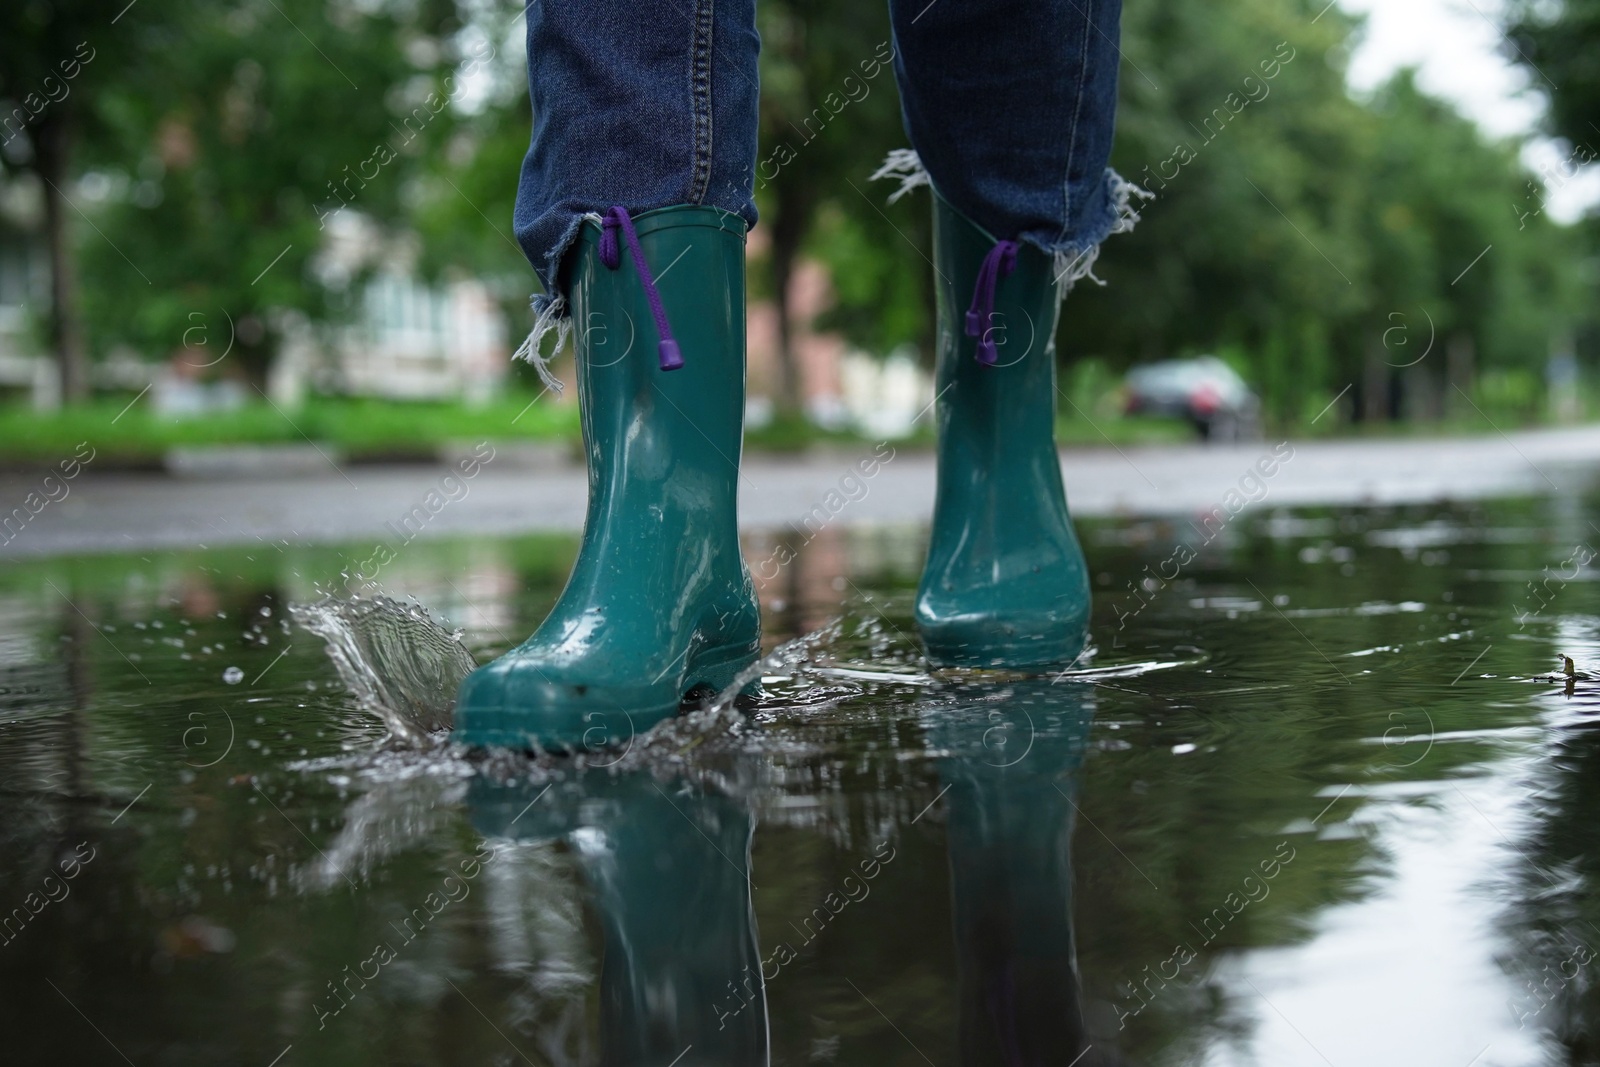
(1002, 259)
(610, 255)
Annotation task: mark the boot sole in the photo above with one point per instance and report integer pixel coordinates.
(713, 671)
(716, 670)
(1036, 656)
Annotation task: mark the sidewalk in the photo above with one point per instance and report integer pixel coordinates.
(129, 512)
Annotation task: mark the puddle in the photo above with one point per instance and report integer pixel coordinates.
(1323, 797)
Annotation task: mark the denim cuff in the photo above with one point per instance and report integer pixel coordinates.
(549, 314)
(1117, 213)
(1113, 210)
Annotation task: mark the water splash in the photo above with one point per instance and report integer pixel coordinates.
(785, 661)
(397, 662)
(699, 744)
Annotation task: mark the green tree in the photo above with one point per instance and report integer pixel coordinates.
(1458, 278)
(54, 54)
(828, 114)
(1560, 45)
(1292, 221)
(233, 147)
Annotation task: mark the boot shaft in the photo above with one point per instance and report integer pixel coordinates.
(998, 414)
(658, 438)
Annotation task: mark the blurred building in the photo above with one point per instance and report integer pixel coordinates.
(24, 297)
(840, 387)
(414, 341)
(409, 340)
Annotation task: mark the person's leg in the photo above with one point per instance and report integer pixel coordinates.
(640, 103)
(634, 204)
(1009, 105)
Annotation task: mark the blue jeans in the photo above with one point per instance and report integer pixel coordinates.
(650, 103)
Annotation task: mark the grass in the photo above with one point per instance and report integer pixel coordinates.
(363, 429)
(357, 428)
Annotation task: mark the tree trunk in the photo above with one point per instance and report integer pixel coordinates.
(52, 141)
(788, 228)
(1461, 359)
(1375, 384)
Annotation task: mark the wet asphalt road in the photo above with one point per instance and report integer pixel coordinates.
(111, 512)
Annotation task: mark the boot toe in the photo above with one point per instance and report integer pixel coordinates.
(517, 702)
(1010, 638)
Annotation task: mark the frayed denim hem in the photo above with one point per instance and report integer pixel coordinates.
(550, 314)
(550, 311)
(905, 166)
(1074, 258)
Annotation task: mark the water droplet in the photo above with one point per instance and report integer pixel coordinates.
(233, 676)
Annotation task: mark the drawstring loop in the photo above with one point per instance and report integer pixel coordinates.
(1002, 259)
(611, 256)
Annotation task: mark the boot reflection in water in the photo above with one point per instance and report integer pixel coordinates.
(635, 197)
(1011, 776)
(667, 870)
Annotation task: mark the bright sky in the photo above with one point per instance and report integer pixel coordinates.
(1457, 47)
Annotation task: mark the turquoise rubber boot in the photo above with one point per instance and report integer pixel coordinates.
(660, 603)
(1005, 583)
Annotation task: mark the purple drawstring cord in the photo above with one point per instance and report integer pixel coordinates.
(1002, 259)
(610, 255)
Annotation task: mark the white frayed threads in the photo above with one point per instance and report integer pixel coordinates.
(906, 166)
(553, 316)
(1073, 266)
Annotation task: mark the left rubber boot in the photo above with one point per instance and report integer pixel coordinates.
(660, 604)
(1005, 583)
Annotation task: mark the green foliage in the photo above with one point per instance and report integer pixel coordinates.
(1303, 228)
(1312, 237)
(879, 304)
(1560, 45)
(233, 136)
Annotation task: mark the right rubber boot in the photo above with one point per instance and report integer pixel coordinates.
(660, 604)
(1005, 584)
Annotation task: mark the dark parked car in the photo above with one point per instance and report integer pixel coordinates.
(1204, 390)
